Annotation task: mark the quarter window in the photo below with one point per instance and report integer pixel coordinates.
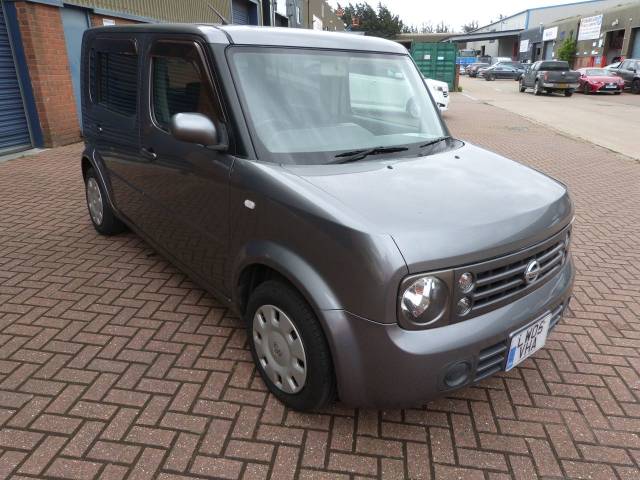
(114, 82)
(180, 84)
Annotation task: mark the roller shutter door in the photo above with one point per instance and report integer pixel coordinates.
(14, 130)
(635, 50)
(241, 12)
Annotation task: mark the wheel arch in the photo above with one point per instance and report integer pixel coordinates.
(260, 261)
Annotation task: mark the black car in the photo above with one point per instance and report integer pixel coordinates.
(503, 70)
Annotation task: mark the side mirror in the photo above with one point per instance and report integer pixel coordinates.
(197, 128)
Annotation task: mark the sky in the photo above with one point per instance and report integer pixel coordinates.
(455, 12)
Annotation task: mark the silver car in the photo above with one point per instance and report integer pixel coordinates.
(308, 181)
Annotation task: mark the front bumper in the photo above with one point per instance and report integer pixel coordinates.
(605, 88)
(384, 365)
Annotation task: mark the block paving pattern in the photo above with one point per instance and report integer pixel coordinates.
(113, 364)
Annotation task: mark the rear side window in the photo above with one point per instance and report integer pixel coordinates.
(114, 81)
(180, 83)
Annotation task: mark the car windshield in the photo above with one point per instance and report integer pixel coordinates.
(596, 72)
(308, 106)
(554, 66)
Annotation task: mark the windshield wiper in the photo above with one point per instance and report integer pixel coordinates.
(356, 155)
(435, 141)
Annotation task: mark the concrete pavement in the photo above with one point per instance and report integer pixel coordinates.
(610, 121)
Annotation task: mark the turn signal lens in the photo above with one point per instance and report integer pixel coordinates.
(465, 282)
(464, 306)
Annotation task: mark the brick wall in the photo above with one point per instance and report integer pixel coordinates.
(96, 20)
(48, 65)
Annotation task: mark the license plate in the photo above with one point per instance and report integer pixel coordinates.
(563, 85)
(611, 85)
(527, 341)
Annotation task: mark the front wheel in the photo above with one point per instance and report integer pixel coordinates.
(289, 347)
(102, 215)
(568, 93)
(635, 86)
(586, 90)
(522, 87)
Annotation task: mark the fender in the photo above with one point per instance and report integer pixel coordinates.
(290, 265)
(98, 165)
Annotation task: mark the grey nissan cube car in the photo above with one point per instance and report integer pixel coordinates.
(307, 180)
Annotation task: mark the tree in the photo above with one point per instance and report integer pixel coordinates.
(471, 26)
(567, 50)
(379, 22)
(442, 27)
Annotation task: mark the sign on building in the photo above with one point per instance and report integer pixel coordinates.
(590, 28)
(317, 23)
(524, 46)
(550, 34)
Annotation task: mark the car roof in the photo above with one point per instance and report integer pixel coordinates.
(263, 36)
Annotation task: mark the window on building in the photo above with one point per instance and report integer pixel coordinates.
(180, 83)
(114, 81)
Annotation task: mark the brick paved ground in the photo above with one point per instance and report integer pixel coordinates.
(113, 364)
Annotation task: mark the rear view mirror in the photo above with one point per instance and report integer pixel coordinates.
(196, 128)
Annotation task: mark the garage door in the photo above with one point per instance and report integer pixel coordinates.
(14, 131)
(241, 12)
(635, 50)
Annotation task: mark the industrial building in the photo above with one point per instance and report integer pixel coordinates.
(530, 34)
(40, 43)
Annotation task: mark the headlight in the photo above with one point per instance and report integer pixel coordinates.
(424, 301)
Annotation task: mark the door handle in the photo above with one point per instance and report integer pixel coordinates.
(99, 128)
(149, 153)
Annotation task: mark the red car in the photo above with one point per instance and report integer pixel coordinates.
(594, 80)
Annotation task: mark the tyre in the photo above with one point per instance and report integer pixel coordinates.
(102, 216)
(568, 93)
(617, 93)
(586, 90)
(635, 86)
(522, 87)
(289, 347)
(488, 78)
(536, 88)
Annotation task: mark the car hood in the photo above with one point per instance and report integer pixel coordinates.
(604, 78)
(448, 209)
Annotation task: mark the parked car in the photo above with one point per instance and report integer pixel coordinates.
(472, 70)
(550, 76)
(629, 71)
(502, 71)
(595, 80)
(370, 255)
(440, 92)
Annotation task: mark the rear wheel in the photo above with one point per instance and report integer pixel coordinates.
(635, 86)
(536, 88)
(522, 87)
(488, 78)
(289, 347)
(102, 215)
